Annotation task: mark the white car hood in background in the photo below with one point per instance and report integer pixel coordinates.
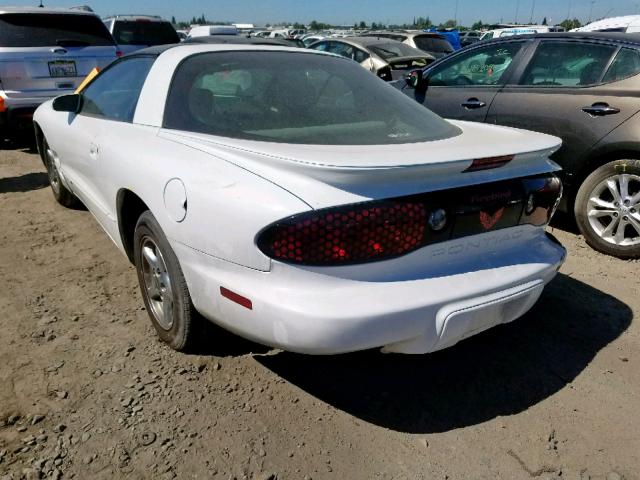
(319, 173)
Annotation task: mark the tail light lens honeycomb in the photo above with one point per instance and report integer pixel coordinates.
(346, 235)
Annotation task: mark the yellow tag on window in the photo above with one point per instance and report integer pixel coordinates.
(88, 78)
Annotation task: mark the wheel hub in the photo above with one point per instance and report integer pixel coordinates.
(157, 283)
(612, 209)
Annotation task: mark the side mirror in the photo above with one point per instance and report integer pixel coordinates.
(67, 103)
(416, 80)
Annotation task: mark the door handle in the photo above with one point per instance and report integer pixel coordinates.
(600, 109)
(93, 150)
(58, 50)
(473, 103)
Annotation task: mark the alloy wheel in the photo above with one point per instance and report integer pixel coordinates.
(613, 209)
(157, 283)
(52, 170)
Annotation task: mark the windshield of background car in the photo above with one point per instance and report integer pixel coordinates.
(433, 44)
(51, 29)
(300, 98)
(390, 50)
(142, 32)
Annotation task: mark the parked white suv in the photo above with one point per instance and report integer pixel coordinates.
(134, 32)
(45, 52)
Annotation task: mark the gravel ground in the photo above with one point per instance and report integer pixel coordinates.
(87, 391)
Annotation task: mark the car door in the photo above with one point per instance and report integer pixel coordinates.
(107, 109)
(571, 89)
(464, 86)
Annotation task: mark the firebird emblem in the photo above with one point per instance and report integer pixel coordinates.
(489, 221)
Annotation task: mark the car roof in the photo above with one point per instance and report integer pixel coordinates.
(408, 34)
(364, 41)
(237, 39)
(45, 10)
(148, 18)
(213, 46)
(611, 22)
(633, 38)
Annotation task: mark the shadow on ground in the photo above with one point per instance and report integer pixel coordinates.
(565, 222)
(24, 183)
(503, 371)
(24, 142)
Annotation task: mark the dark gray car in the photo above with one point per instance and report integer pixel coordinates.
(583, 88)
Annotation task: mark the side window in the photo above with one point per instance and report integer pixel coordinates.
(567, 64)
(360, 55)
(114, 93)
(626, 64)
(340, 48)
(480, 66)
(322, 46)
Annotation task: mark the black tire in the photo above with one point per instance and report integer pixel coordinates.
(182, 332)
(61, 193)
(590, 188)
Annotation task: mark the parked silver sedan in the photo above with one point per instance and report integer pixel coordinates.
(389, 59)
(430, 42)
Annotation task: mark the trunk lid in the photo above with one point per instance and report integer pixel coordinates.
(410, 62)
(331, 175)
(401, 65)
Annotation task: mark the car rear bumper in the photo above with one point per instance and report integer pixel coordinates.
(434, 298)
(18, 112)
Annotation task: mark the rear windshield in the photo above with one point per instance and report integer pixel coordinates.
(144, 33)
(46, 30)
(433, 44)
(391, 50)
(300, 98)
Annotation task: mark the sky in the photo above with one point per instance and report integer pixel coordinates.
(346, 12)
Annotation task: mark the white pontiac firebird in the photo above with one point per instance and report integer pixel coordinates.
(299, 201)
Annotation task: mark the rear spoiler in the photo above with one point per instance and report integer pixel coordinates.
(406, 62)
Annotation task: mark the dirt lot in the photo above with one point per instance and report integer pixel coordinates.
(86, 391)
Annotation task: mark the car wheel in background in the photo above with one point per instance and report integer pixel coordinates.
(163, 286)
(61, 193)
(607, 209)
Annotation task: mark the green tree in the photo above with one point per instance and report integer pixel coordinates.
(422, 23)
(478, 25)
(448, 24)
(569, 24)
(362, 25)
(544, 21)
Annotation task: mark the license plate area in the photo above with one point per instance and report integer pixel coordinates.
(489, 207)
(62, 68)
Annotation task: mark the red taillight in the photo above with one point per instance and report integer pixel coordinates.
(119, 53)
(488, 163)
(346, 235)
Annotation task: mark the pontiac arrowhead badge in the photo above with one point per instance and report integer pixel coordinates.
(488, 221)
